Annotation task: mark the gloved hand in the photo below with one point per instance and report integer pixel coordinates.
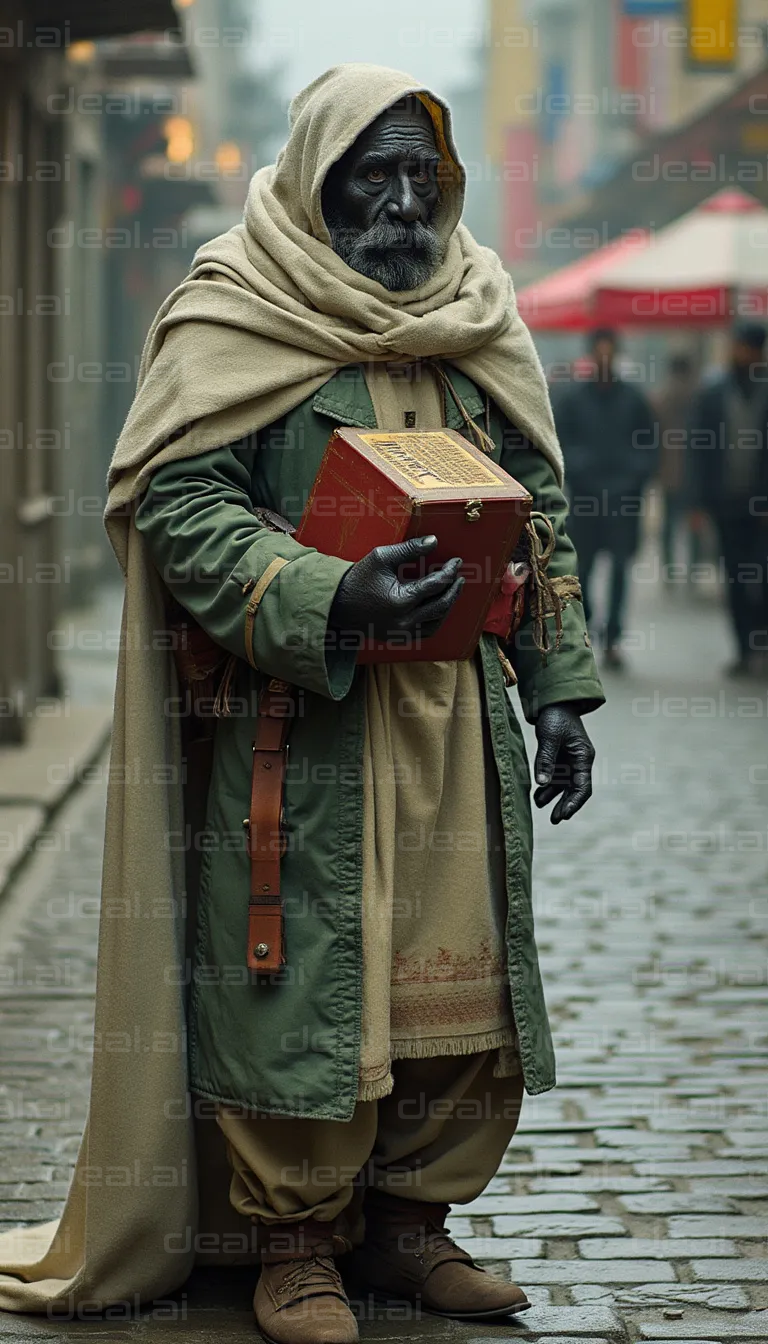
(563, 761)
(372, 600)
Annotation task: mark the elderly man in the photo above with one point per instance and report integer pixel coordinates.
(378, 1078)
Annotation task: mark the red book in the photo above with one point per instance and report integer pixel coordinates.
(374, 488)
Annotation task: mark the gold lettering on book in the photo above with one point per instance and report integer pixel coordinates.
(430, 459)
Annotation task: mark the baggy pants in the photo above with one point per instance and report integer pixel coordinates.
(439, 1136)
(619, 537)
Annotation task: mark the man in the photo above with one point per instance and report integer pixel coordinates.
(729, 481)
(378, 1078)
(606, 429)
(672, 407)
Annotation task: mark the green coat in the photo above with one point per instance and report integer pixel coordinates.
(291, 1045)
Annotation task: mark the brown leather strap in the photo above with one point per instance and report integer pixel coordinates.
(266, 834)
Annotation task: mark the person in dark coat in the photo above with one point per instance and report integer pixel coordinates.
(672, 406)
(729, 481)
(607, 432)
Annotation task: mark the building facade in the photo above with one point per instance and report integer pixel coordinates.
(629, 112)
(128, 134)
(52, 184)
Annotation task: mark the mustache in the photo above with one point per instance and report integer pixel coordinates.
(388, 235)
(397, 254)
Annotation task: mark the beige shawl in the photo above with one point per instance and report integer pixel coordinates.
(267, 314)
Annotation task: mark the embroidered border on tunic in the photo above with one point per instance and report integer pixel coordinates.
(456, 1011)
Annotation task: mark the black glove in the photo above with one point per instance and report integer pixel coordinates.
(563, 761)
(371, 598)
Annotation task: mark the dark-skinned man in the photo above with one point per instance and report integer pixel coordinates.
(380, 1079)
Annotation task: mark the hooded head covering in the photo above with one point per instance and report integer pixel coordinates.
(325, 120)
(223, 359)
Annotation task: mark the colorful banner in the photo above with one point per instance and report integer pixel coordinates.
(712, 30)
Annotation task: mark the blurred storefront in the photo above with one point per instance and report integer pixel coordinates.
(188, 129)
(52, 181)
(128, 133)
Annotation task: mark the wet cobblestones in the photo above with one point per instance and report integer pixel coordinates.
(634, 1199)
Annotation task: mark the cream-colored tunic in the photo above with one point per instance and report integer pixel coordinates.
(434, 892)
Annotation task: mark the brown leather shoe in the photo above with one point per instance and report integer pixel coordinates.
(300, 1298)
(408, 1254)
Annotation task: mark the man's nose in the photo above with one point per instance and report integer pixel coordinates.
(404, 204)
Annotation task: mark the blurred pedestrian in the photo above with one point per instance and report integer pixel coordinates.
(607, 431)
(672, 406)
(729, 475)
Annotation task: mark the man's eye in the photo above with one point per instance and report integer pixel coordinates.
(376, 175)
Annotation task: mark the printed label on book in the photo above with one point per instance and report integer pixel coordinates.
(430, 459)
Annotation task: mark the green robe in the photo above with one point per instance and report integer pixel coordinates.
(291, 1045)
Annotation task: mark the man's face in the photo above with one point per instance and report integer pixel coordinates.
(604, 354)
(380, 198)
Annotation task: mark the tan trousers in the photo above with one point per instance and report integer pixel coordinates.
(439, 1136)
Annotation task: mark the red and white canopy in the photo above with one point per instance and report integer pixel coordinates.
(564, 300)
(705, 269)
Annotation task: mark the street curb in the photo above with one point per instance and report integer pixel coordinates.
(81, 755)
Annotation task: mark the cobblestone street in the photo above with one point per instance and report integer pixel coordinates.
(633, 1204)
